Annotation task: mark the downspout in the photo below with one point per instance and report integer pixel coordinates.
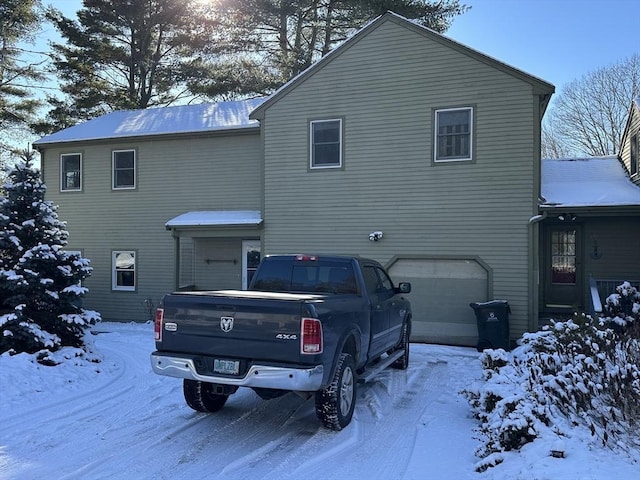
(538, 218)
(534, 233)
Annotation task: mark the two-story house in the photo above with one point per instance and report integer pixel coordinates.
(401, 145)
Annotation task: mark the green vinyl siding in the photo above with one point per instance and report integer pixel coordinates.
(631, 134)
(386, 86)
(173, 176)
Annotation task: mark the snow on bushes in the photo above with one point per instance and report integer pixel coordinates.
(579, 373)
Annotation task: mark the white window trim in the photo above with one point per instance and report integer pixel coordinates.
(113, 169)
(435, 136)
(247, 246)
(114, 272)
(62, 172)
(324, 167)
(635, 137)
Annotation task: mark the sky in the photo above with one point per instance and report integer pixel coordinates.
(117, 420)
(556, 40)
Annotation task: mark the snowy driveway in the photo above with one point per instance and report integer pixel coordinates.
(127, 423)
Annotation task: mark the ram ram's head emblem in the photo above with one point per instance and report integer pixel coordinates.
(226, 324)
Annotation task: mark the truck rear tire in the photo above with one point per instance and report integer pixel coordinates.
(201, 396)
(403, 362)
(336, 403)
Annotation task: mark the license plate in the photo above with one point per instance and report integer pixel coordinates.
(228, 367)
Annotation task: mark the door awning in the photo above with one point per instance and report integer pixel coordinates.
(216, 218)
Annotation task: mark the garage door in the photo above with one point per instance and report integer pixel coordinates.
(442, 290)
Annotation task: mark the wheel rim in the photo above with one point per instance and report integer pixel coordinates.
(346, 391)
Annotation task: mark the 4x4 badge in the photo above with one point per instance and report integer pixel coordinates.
(226, 324)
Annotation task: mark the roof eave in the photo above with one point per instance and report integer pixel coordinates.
(592, 210)
(252, 129)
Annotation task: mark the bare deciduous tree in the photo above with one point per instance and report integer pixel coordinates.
(588, 116)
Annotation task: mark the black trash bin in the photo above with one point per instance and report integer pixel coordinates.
(493, 324)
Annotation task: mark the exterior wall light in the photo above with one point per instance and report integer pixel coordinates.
(375, 236)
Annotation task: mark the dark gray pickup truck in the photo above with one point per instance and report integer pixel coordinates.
(308, 324)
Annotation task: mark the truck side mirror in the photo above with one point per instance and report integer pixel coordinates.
(404, 287)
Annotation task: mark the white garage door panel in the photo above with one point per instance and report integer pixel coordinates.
(442, 290)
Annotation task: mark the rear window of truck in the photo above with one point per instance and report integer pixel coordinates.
(319, 276)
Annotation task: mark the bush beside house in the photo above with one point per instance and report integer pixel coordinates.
(579, 373)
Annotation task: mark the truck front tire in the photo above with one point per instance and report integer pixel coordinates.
(201, 396)
(336, 403)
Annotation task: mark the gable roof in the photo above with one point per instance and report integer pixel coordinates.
(540, 86)
(183, 119)
(587, 182)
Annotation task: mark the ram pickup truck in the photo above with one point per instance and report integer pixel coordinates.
(313, 325)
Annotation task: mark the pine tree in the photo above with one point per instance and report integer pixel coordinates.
(40, 291)
(19, 21)
(289, 36)
(127, 54)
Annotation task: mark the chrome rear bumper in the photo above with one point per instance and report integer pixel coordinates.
(260, 376)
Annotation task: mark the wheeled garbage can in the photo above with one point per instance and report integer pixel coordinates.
(493, 324)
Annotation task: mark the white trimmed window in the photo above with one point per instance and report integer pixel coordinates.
(71, 172)
(124, 270)
(325, 143)
(453, 137)
(124, 169)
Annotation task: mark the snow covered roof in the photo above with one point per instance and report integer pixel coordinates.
(216, 218)
(204, 117)
(587, 182)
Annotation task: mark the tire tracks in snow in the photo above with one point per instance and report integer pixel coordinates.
(136, 425)
(380, 426)
(363, 445)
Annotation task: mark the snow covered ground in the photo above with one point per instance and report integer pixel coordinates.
(117, 420)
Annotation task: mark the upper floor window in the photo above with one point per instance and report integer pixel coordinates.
(124, 169)
(453, 134)
(123, 270)
(635, 147)
(326, 143)
(71, 172)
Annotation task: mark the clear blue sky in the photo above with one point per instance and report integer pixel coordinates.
(556, 40)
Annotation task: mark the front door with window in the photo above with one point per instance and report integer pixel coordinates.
(563, 284)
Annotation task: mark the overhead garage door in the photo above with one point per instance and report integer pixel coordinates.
(442, 290)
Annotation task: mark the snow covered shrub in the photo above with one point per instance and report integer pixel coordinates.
(623, 310)
(40, 291)
(580, 373)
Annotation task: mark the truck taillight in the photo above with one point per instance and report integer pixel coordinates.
(311, 342)
(158, 326)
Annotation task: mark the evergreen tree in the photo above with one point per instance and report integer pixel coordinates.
(40, 288)
(18, 22)
(129, 54)
(21, 72)
(291, 35)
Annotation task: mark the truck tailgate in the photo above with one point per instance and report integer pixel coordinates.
(234, 324)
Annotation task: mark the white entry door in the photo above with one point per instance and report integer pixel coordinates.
(250, 260)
